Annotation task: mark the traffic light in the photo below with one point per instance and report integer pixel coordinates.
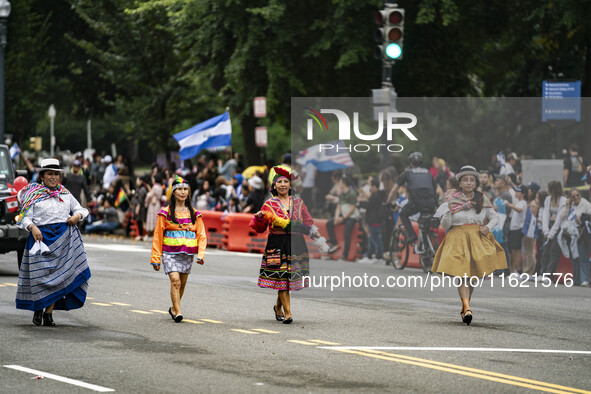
(35, 143)
(390, 33)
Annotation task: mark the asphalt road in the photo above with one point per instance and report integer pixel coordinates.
(371, 338)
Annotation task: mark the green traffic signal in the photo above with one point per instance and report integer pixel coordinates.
(393, 51)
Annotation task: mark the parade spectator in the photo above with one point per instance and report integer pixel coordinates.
(540, 199)
(55, 277)
(309, 185)
(138, 204)
(486, 185)
(468, 249)
(530, 234)
(552, 206)
(346, 213)
(153, 204)
(503, 188)
(509, 167)
(178, 236)
(109, 222)
(285, 262)
(332, 198)
(515, 228)
(110, 171)
(202, 199)
(532, 190)
(75, 182)
(374, 217)
(568, 229)
(256, 195)
(573, 167)
(228, 168)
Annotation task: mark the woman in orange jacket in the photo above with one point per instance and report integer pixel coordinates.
(179, 235)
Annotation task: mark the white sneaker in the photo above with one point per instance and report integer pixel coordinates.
(585, 284)
(365, 260)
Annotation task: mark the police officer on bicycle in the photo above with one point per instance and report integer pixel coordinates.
(420, 187)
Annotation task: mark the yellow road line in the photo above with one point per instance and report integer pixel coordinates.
(141, 312)
(120, 304)
(265, 331)
(324, 342)
(192, 321)
(100, 304)
(245, 331)
(212, 321)
(157, 311)
(90, 298)
(2, 285)
(10, 284)
(466, 371)
(302, 342)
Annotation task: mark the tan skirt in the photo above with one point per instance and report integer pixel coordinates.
(464, 251)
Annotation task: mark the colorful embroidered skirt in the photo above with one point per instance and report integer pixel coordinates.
(294, 266)
(464, 251)
(59, 276)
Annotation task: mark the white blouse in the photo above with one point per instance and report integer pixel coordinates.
(52, 210)
(470, 217)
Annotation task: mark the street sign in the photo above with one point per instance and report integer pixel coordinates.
(260, 136)
(260, 107)
(561, 100)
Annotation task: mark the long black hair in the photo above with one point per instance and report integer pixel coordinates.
(478, 196)
(188, 204)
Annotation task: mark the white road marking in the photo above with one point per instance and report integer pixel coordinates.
(118, 247)
(60, 378)
(460, 349)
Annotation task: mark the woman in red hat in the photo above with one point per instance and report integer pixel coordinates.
(285, 263)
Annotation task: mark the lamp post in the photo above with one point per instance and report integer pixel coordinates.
(51, 114)
(4, 12)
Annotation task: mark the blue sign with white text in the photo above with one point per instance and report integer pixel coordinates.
(561, 100)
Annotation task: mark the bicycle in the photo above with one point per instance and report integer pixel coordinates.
(425, 246)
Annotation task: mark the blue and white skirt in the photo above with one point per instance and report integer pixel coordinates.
(59, 276)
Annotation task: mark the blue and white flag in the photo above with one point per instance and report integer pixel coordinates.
(501, 159)
(530, 225)
(326, 157)
(214, 132)
(14, 151)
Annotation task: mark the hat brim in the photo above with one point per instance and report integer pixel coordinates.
(459, 175)
(40, 169)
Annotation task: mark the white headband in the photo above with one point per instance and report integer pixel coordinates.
(174, 187)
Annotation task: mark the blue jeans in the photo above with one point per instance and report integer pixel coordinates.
(101, 227)
(376, 244)
(584, 264)
(349, 225)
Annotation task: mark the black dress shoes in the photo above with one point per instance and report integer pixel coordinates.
(37, 317)
(277, 317)
(48, 319)
(288, 321)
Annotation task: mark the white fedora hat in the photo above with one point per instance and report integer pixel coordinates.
(50, 164)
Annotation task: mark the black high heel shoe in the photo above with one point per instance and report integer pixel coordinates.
(289, 320)
(177, 318)
(37, 317)
(170, 312)
(48, 319)
(277, 317)
(466, 318)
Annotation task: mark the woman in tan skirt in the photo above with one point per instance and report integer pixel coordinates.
(469, 249)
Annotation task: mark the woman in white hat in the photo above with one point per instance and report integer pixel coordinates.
(469, 249)
(54, 271)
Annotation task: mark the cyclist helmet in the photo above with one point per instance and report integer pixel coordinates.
(415, 159)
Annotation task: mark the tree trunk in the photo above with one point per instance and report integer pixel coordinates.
(251, 151)
(586, 105)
